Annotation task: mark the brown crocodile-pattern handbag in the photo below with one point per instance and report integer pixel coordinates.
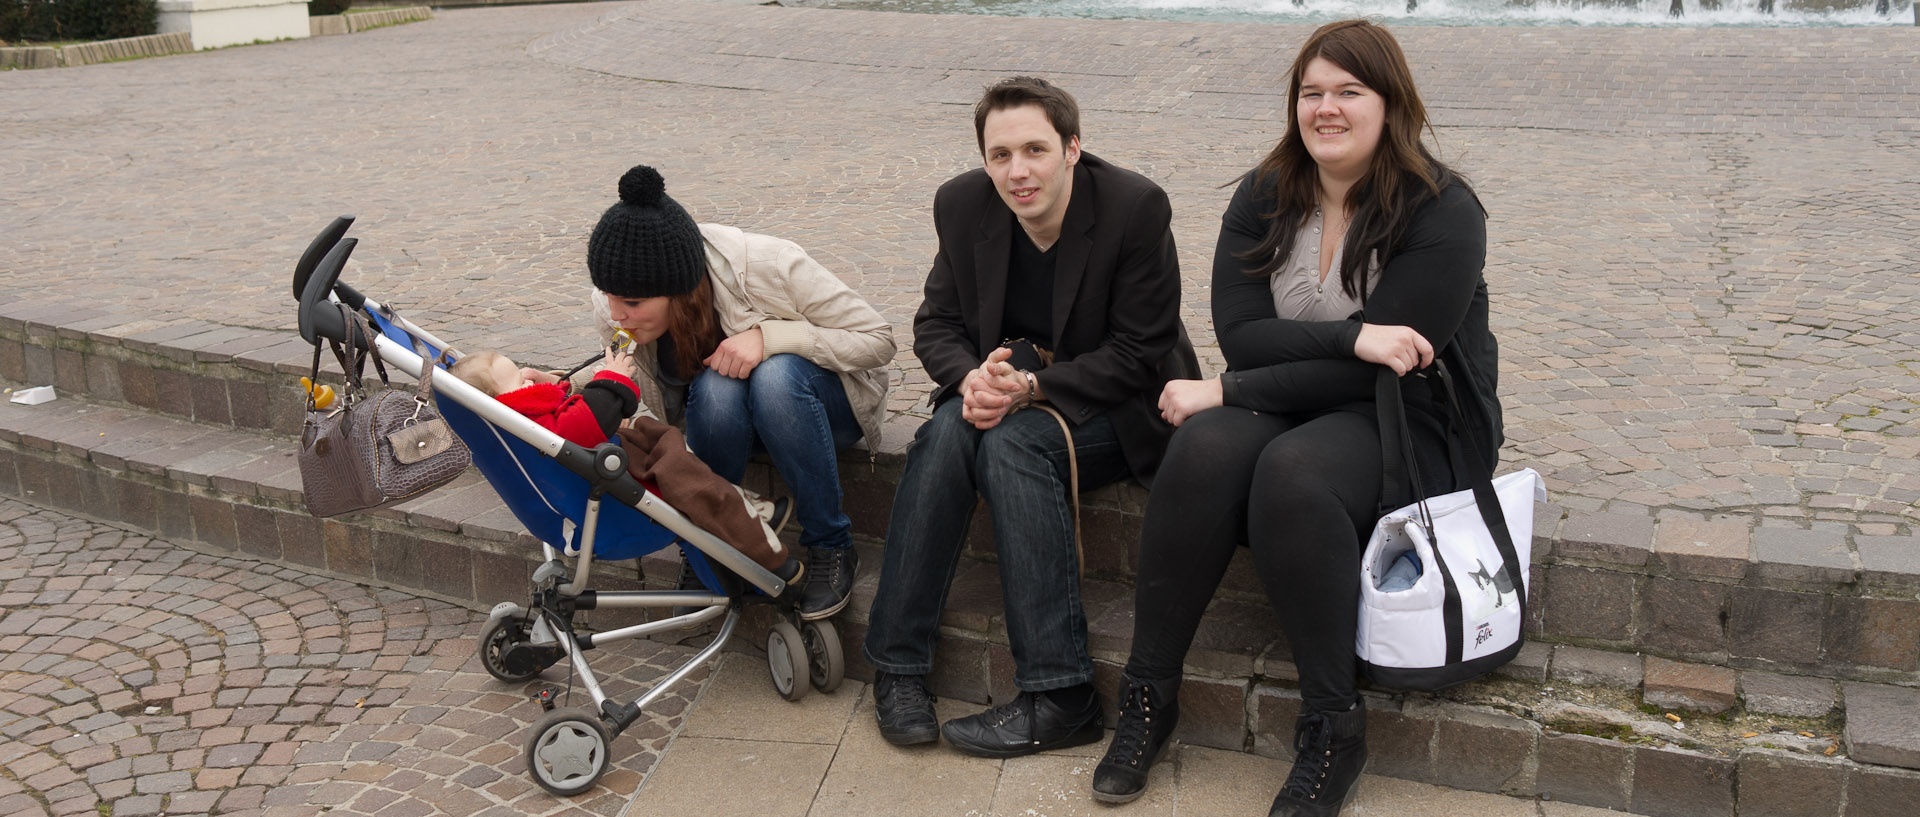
(374, 450)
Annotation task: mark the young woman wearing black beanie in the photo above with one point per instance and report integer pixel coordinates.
(755, 347)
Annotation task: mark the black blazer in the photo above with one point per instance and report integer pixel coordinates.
(1117, 336)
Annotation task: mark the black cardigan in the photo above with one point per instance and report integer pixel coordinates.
(1431, 282)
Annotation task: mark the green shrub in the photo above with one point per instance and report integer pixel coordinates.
(318, 7)
(45, 20)
(108, 19)
(30, 20)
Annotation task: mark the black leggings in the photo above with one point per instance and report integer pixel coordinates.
(1303, 492)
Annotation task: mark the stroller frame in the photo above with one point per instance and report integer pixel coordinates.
(567, 751)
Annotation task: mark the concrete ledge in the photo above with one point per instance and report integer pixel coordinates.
(179, 39)
(364, 20)
(153, 45)
(34, 56)
(323, 25)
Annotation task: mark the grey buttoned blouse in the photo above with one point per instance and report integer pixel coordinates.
(1298, 292)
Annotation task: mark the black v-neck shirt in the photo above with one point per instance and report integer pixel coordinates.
(1029, 307)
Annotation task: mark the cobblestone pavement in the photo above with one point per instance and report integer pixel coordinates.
(141, 678)
(1703, 266)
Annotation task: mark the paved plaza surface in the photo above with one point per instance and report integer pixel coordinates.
(140, 678)
(1702, 263)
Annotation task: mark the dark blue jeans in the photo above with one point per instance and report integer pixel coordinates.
(1020, 468)
(797, 414)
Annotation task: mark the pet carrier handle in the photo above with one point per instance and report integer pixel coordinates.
(1400, 483)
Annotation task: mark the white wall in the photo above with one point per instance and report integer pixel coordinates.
(217, 23)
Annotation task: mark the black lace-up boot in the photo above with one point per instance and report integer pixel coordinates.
(1148, 712)
(1330, 751)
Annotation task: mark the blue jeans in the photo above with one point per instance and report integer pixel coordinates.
(794, 412)
(1020, 468)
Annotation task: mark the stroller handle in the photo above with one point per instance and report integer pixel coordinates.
(317, 279)
(316, 250)
(322, 280)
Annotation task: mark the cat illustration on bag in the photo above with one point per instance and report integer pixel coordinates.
(1500, 582)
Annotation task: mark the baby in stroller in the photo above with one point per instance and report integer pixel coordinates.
(588, 418)
(585, 501)
(656, 453)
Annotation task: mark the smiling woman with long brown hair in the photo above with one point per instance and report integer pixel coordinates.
(1348, 248)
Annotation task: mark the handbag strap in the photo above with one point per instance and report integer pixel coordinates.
(358, 346)
(313, 379)
(1073, 483)
(423, 390)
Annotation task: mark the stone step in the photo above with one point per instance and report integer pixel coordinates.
(1564, 721)
(1818, 598)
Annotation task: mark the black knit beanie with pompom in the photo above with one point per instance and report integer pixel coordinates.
(645, 246)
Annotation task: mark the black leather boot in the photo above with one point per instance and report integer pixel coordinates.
(1330, 752)
(1148, 712)
(904, 709)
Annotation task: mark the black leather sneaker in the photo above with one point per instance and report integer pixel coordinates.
(904, 709)
(1148, 713)
(1030, 723)
(1329, 753)
(830, 573)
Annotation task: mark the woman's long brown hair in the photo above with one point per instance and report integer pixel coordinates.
(1401, 176)
(695, 330)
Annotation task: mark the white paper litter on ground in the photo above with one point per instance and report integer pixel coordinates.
(34, 396)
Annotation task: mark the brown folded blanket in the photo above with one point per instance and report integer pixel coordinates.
(657, 453)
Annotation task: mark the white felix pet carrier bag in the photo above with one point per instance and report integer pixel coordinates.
(1463, 615)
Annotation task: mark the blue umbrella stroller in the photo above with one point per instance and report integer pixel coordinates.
(558, 490)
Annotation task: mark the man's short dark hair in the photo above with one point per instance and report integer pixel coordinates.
(1014, 92)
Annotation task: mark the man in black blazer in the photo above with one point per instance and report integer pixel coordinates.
(1073, 260)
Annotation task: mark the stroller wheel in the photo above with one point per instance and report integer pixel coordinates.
(787, 660)
(568, 752)
(497, 651)
(826, 659)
